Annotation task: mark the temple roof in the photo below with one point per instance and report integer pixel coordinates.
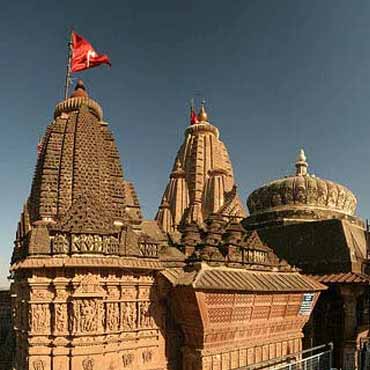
(319, 247)
(202, 180)
(225, 278)
(305, 195)
(80, 201)
(79, 156)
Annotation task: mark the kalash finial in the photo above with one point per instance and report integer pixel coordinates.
(203, 116)
(80, 89)
(301, 164)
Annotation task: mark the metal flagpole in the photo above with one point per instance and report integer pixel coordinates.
(68, 69)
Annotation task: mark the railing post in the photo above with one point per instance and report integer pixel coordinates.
(331, 348)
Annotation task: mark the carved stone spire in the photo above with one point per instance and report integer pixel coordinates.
(78, 185)
(301, 164)
(202, 180)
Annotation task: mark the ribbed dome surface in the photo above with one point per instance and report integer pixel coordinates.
(302, 190)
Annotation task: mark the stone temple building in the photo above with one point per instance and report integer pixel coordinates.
(311, 223)
(201, 182)
(95, 286)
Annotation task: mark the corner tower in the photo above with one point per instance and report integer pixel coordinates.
(202, 180)
(82, 268)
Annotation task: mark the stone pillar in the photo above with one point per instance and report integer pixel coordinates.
(350, 349)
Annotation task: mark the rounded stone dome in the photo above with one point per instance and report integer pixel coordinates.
(302, 191)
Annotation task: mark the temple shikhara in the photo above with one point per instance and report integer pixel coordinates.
(204, 286)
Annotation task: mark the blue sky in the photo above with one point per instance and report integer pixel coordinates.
(277, 75)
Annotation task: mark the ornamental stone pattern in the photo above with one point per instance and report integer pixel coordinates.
(201, 182)
(94, 286)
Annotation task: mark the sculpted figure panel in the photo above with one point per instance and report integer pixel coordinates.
(147, 356)
(148, 249)
(129, 315)
(38, 365)
(61, 318)
(127, 359)
(88, 364)
(60, 244)
(40, 318)
(112, 316)
(146, 320)
(86, 314)
(95, 243)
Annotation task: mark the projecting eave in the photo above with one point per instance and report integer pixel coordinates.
(224, 278)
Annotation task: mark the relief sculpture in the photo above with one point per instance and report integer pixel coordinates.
(61, 318)
(88, 364)
(85, 316)
(127, 359)
(38, 365)
(147, 356)
(60, 244)
(146, 320)
(129, 315)
(112, 316)
(40, 318)
(88, 316)
(94, 243)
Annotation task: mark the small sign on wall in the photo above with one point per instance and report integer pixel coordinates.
(306, 304)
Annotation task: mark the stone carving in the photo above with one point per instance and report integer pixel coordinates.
(95, 243)
(89, 284)
(147, 356)
(112, 316)
(43, 294)
(61, 317)
(88, 364)
(128, 359)
(144, 293)
(60, 244)
(40, 318)
(148, 249)
(88, 316)
(129, 315)
(86, 243)
(38, 365)
(146, 320)
(302, 189)
(129, 293)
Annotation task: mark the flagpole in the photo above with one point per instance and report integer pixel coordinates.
(68, 68)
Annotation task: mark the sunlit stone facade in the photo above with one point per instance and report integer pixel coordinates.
(94, 286)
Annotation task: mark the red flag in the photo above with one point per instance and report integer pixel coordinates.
(193, 117)
(84, 55)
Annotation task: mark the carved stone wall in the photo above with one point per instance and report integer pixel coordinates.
(230, 330)
(6, 332)
(88, 320)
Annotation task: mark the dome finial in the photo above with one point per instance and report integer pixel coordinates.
(301, 164)
(80, 89)
(203, 116)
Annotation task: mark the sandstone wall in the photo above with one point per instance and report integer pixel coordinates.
(6, 337)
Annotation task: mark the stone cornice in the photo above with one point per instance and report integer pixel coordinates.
(102, 262)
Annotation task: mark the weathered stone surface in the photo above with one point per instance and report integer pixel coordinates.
(94, 287)
(201, 182)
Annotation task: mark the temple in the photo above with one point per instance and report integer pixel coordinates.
(202, 180)
(311, 223)
(95, 286)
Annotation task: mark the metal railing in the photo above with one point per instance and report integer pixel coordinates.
(316, 358)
